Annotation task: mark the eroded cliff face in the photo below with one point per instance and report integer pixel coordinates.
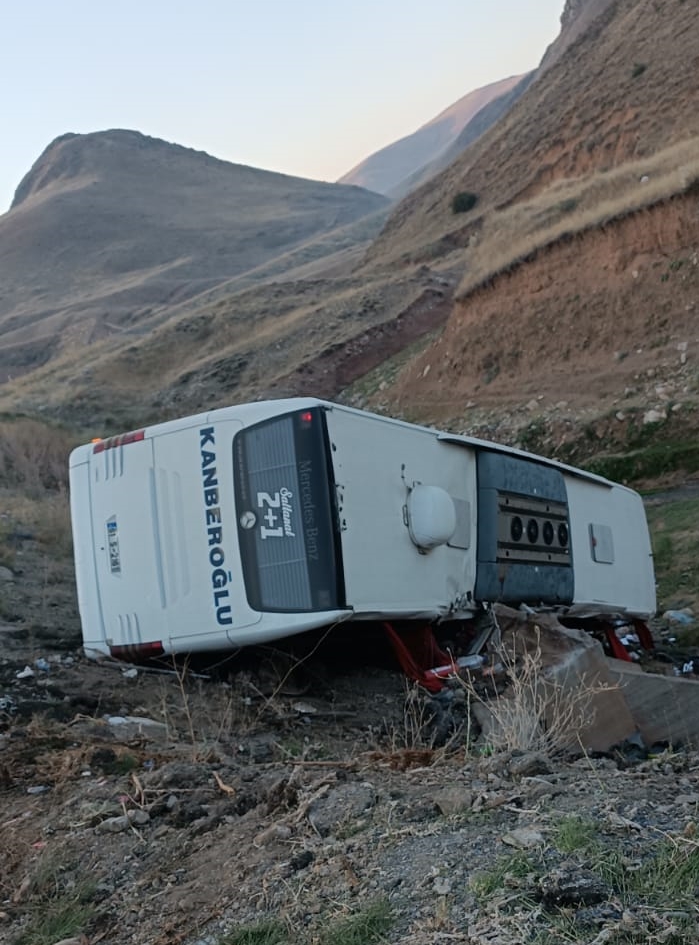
(611, 309)
(571, 11)
(577, 15)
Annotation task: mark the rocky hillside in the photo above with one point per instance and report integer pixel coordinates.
(615, 331)
(580, 282)
(478, 125)
(576, 17)
(623, 91)
(326, 801)
(107, 231)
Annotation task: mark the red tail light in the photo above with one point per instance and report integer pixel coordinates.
(137, 651)
(122, 440)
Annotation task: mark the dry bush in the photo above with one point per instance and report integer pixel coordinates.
(203, 714)
(53, 527)
(34, 456)
(426, 732)
(537, 711)
(45, 517)
(34, 497)
(412, 729)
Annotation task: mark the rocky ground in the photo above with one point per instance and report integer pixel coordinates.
(166, 805)
(259, 802)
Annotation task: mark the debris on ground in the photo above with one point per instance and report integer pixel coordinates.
(176, 808)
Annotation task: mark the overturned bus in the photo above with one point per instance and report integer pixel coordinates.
(254, 522)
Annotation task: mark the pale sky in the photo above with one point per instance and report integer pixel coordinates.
(309, 88)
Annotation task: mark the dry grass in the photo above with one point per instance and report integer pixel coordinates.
(34, 456)
(45, 518)
(537, 712)
(514, 232)
(203, 715)
(365, 925)
(674, 530)
(655, 892)
(429, 730)
(34, 498)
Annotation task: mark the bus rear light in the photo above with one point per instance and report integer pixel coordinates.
(137, 651)
(306, 417)
(123, 439)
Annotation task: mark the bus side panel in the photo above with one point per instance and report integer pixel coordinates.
(376, 462)
(523, 532)
(612, 550)
(89, 603)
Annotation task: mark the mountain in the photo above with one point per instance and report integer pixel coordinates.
(556, 309)
(403, 165)
(386, 170)
(109, 229)
(478, 125)
(621, 91)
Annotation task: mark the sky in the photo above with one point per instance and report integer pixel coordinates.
(304, 87)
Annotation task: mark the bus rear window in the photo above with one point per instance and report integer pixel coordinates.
(286, 526)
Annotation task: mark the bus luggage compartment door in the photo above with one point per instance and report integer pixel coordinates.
(523, 552)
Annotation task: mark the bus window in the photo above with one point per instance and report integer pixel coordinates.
(287, 531)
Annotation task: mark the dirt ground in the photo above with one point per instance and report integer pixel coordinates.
(179, 804)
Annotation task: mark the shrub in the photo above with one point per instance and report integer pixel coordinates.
(34, 455)
(539, 710)
(266, 932)
(464, 202)
(568, 205)
(368, 925)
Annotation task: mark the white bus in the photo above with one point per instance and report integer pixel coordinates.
(254, 522)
